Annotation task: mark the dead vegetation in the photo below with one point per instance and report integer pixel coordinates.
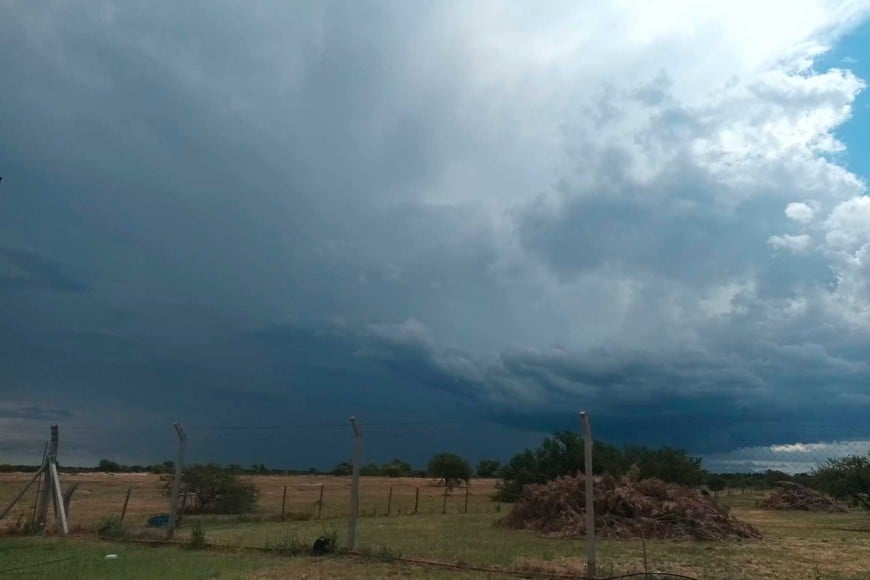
(793, 496)
(625, 508)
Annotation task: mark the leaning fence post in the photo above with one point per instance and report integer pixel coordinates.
(354, 487)
(176, 484)
(126, 501)
(589, 491)
(416, 500)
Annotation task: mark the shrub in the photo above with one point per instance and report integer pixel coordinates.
(343, 468)
(488, 467)
(197, 536)
(449, 469)
(215, 490)
(846, 478)
(111, 528)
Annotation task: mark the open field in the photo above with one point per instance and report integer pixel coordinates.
(102, 494)
(795, 544)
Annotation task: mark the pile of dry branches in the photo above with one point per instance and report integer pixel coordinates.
(792, 496)
(625, 509)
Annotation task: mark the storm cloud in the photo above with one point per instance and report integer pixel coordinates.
(495, 215)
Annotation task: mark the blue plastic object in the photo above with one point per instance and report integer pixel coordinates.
(158, 521)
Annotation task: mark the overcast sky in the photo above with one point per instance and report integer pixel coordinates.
(472, 218)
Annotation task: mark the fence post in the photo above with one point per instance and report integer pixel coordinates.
(416, 500)
(588, 478)
(283, 501)
(45, 492)
(126, 501)
(320, 503)
(58, 497)
(176, 484)
(354, 486)
(444, 503)
(390, 501)
(467, 485)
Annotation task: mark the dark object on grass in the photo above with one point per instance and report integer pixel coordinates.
(322, 545)
(158, 521)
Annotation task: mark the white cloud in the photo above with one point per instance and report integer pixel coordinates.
(799, 212)
(798, 244)
(848, 226)
(788, 457)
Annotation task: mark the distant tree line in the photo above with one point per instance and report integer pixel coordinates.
(846, 478)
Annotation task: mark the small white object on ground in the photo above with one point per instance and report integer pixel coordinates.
(111, 556)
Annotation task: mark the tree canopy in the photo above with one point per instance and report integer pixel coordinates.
(563, 454)
(450, 469)
(846, 478)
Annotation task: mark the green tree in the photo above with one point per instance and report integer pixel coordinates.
(214, 490)
(846, 478)
(449, 469)
(372, 469)
(342, 469)
(109, 466)
(487, 467)
(716, 483)
(396, 468)
(563, 454)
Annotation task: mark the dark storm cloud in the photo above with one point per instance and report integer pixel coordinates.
(288, 214)
(26, 271)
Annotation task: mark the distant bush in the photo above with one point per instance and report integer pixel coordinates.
(449, 469)
(108, 466)
(342, 469)
(214, 490)
(488, 467)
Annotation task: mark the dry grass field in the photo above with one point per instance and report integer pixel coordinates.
(795, 544)
(102, 494)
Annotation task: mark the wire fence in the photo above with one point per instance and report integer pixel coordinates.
(400, 516)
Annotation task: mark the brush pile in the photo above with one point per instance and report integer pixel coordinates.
(625, 508)
(793, 496)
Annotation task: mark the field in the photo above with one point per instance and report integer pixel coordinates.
(795, 545)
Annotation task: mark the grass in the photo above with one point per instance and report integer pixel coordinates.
(795, 544)
(85, 559)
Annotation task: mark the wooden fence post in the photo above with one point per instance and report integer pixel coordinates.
(444, 503)
(354, 487)
(416, 500)
(22, 492)
(283, 501)
(126, 501)
(176, 484)
(466, 497)
(320, 503)
(588, 478)
(390, 501)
